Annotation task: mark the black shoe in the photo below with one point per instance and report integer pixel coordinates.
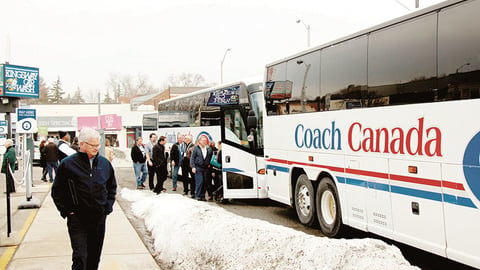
(185, 193)
(44, 180)
(202, 199)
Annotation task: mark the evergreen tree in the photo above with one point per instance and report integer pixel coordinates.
(43, 95)
(56, 92)
(107, 99)
(77, 97)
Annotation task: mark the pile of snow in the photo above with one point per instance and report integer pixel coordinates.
(198, 235)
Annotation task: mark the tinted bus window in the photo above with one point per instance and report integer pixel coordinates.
(344, 75)
(459, 62)
(274, 96)
(402, 63)
(303, 84)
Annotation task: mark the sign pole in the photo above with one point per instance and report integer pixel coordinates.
(27, 124)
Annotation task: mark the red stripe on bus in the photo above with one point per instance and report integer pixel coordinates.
(423, 181)
(401, 178)
(453, 185)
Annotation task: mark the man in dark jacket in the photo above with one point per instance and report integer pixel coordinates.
(84, 192)
(199, 161)
(64, 149)
(139, 158)
(160, 163)
(51, 152)
(187, 174)
(176, 155)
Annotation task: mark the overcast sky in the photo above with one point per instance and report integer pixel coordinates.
(83, 42)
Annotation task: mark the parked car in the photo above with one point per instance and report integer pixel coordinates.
(36, 154)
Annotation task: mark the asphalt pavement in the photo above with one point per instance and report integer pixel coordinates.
(39, 237)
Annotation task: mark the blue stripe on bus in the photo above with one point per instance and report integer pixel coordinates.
(341, 179)
(458, 200)
(235, 170)
(278, 168)
(417, 193)
(434, 196)
(356, 182)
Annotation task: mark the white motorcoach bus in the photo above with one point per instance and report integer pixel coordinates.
(377, 131)
(202, 112)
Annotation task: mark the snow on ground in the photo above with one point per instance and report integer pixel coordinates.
(198, 235)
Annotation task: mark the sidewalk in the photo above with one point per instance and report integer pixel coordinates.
(46, 244)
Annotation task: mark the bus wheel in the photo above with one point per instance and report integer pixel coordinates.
(328, 207)
(304, 200)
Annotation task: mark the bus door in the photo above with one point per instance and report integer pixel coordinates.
(239, 163)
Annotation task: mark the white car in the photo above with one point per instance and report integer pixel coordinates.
(36, 153)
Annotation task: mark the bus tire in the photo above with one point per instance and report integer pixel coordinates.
(328, 207)
(304, 200)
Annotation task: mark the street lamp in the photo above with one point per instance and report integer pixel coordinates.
(221, 65)
(307, 26)
(460, 67)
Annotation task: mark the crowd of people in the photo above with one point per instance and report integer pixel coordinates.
(197, 165)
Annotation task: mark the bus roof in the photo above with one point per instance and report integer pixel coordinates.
(246, 82)
(398, 20)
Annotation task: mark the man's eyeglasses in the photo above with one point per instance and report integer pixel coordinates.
(93, 145)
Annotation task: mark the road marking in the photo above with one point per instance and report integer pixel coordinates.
(10, 251)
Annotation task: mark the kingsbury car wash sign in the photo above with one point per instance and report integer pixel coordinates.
(21, 81)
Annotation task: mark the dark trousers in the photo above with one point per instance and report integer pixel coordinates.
(208, 186)
(151, 174)
(187, 178)
(44, 172)
(200, 177)
(161, 177)
(86, 238)
(217, 180)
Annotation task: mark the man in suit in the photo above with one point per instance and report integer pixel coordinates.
(176, 155)
(199, 161)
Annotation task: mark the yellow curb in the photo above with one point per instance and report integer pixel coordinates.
(10, 251)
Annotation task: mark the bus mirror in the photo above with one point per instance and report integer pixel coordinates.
(251, 120)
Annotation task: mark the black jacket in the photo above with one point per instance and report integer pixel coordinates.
(83, 189)
(137, 155)
(175, 153)
(159, 159)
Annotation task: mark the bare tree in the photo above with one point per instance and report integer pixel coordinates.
(185, 80)
(126, 85)
(113, 84)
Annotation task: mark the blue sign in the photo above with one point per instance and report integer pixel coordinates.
(26, 120)
(224, 96)
(3, 127)
(21, 82)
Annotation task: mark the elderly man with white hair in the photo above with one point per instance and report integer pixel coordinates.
(84, 191)
(9, 160)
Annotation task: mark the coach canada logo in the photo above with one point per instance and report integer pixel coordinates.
(471, 165)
